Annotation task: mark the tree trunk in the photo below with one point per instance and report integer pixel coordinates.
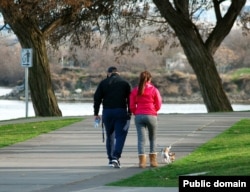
(42, 94)
(198, 54)
(204, 67)
(207, 75)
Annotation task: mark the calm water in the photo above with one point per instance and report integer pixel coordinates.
(10, 109)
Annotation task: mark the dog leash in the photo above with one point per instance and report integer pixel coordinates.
(103, 137)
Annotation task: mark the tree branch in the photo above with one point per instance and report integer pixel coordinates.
(4, 26)
(224, 26)
(217, 9)
(182, 7)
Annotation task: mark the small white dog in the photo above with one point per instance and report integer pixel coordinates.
(167, 156)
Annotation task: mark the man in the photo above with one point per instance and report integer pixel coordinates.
(113, 93)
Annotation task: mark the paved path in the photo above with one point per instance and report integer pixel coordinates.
(73, 159)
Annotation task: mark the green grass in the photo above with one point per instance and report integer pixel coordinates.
(228, 154)
(242, 72)
(14, 133)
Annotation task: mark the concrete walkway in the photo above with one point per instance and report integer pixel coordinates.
(73, 159)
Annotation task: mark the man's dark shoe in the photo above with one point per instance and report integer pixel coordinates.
(116, 163)
(110, 164)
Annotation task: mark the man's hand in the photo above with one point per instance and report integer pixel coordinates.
(97, 121)
(97, 117)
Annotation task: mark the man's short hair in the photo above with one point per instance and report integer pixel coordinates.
(112, 69)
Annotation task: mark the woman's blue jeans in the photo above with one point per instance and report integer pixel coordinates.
(145, 123)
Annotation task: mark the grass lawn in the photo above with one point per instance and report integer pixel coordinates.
(14, 133)
(228, 154)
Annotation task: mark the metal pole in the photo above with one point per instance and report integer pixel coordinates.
(26, 89)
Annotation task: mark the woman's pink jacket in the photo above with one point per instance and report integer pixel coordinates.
(147, 104)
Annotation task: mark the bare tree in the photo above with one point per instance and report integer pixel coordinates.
(35, 22)
(198, 41)
(200, 52)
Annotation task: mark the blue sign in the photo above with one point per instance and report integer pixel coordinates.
(26, 58)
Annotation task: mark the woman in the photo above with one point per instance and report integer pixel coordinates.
(145, 102)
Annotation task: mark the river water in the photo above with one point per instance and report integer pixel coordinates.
(12, 109)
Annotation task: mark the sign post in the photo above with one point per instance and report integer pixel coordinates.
(26, 62)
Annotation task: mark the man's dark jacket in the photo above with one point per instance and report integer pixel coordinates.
(112, 92)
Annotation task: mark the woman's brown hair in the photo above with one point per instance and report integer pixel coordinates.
(145, 76)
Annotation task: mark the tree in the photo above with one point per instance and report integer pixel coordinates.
(35, 22)
(199, 52)
(199, 44)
